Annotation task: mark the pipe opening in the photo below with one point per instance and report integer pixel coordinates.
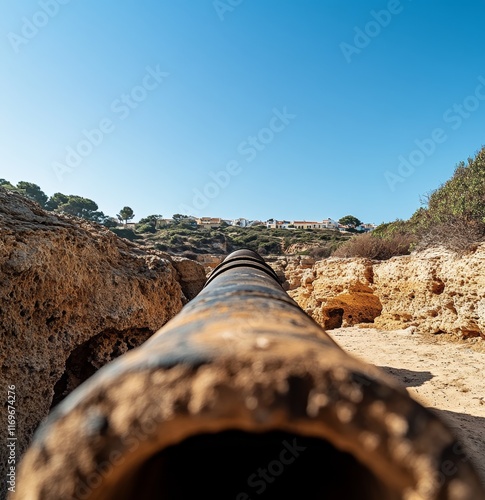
(242, 466)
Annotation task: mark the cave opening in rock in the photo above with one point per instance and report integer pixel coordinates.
(78, 369)
(91, 355)
(242, 466)
(334, 318)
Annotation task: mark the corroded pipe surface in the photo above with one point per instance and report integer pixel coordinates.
(243, 396)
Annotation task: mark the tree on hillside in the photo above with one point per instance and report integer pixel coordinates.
(6, 184)
(151, 219)
(110, 222)
(81, 207)
(32, 191)
(148, 224)
(62, 203)
(126, 214)
(184, 221)
(350, 220)
(27, 189)
(177, 218)
(56, 200)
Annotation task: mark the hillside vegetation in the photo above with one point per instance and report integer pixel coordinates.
(183, 236)
(189, 240)
(453, 217)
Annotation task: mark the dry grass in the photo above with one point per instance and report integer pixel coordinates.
(456, 234)
(372, 247)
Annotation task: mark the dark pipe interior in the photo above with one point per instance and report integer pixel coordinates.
(241, 466)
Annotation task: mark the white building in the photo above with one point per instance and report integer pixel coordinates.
(241, 222)
(277, 224)
(209, 222)
(303, 224)
(366, 227)
(330, 223)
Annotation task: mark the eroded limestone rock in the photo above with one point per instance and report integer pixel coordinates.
(436, 291)
(73, 296)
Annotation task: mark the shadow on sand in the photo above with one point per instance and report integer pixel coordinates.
(408, 378)
(469, 429)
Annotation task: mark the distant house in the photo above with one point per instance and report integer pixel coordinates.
(209, 222)
(367, 227)
(241, 222)
(330, 224)
(163, 223)
(278, 224)
(303, 224)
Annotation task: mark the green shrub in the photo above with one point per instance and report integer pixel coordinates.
(463, 195)
(175, 240)
(129, 234)
(188, 225)
(269, 247)
(146, 228)
(454, 215)
(250, 237)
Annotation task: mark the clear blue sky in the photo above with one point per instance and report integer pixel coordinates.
(304, 112)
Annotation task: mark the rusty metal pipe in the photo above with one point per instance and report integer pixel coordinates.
(242, 395)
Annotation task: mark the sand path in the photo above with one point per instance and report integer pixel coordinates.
(443, 376)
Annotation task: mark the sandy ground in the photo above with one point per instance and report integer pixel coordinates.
(443, 376)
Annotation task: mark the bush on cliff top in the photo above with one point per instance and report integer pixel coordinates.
(374, 247)
(454, 217)
(454, 214)
(463, 196)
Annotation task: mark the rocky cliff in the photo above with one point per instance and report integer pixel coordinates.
(434, 291)
(74, 296)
